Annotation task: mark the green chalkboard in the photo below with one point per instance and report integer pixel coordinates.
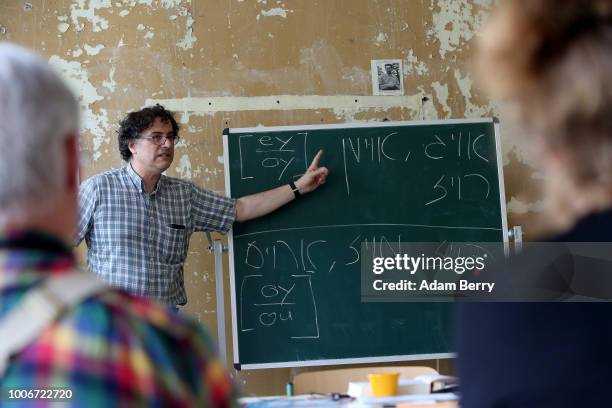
(295, 274)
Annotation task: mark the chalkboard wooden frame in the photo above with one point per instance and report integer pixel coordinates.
(360, 360)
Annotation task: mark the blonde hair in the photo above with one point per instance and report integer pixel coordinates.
(553, 60)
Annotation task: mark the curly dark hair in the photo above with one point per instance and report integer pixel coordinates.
(136, 122)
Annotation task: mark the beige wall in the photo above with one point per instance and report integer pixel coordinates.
(204, 57)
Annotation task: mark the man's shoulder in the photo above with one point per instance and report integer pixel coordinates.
(177, 182)
(106, 177)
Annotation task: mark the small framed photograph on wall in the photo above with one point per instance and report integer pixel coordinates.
(387, 78)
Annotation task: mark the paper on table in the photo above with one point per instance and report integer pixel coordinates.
(298, 401)
(359, 389)
(418, 385)
(431, 378)
(409, 398)
(429, 404)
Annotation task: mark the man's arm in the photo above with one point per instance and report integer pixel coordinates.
(260, 204)
(87, 204)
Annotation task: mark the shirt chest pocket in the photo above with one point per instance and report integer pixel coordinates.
(173, 242)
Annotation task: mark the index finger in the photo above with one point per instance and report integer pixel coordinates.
(315, 161)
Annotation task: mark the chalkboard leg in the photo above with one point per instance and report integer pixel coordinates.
(218, 248)
(516, 235)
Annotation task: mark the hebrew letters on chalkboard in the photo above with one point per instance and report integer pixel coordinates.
(286, 157)
(296, 273)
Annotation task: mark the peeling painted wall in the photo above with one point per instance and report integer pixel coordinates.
(242, 63)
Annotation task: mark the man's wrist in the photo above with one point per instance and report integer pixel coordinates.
(295, 189)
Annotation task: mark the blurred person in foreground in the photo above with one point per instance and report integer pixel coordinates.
(551, 62)
(108, 348)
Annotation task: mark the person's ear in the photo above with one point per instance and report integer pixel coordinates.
(132, 146)
(71, 147)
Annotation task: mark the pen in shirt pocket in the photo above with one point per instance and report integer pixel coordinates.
(176, 226)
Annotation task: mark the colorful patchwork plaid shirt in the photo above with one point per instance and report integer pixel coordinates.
(112, 350)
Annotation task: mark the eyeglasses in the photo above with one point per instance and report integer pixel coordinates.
(161, 139)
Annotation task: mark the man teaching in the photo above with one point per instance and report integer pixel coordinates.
(137, 222)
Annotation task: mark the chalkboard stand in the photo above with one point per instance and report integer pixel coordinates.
(218, 249)
(516, 235)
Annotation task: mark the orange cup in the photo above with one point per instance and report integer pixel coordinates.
(383, 384)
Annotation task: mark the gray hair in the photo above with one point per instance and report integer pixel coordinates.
(37, 113)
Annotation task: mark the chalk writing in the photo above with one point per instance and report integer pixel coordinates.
(454, 145)
(445, 184)
(264, 304)
(364, 150)
(285, 156)
(271, 256)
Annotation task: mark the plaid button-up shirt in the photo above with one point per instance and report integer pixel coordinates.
(111, 350)
(138, 241)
